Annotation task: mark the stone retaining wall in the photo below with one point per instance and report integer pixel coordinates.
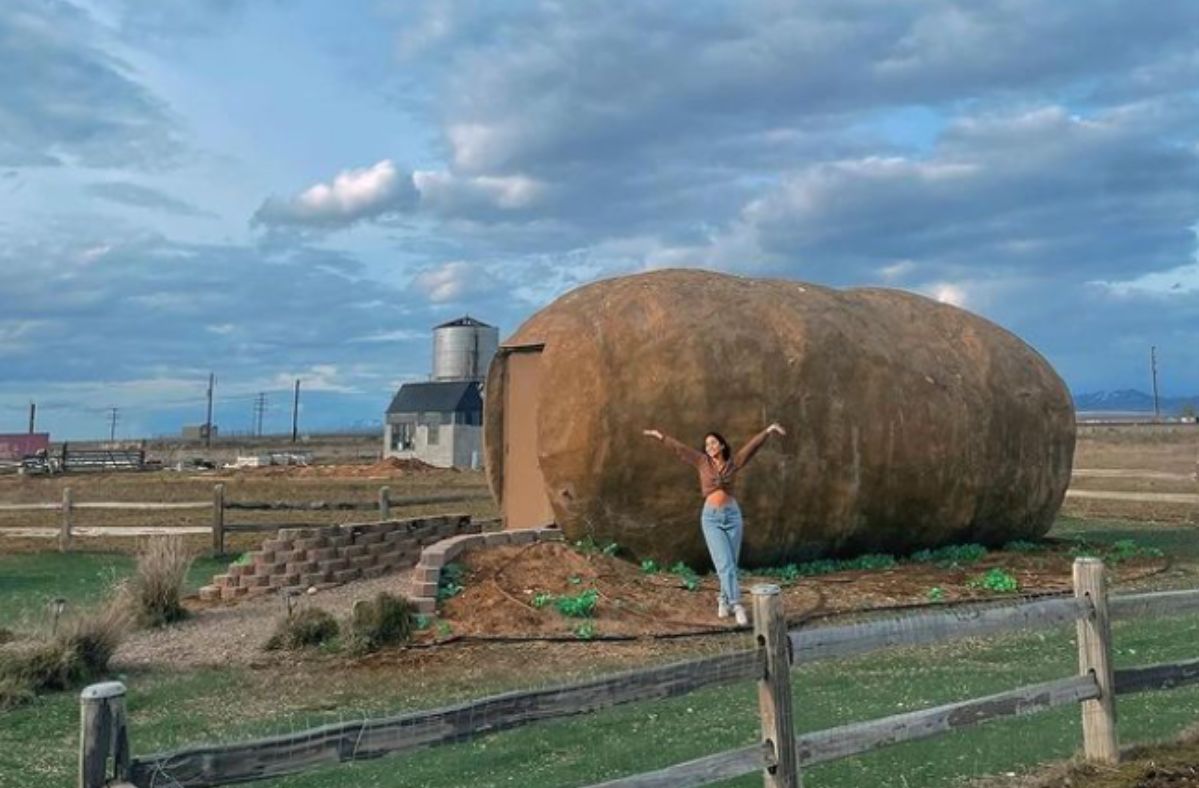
(427, 575)
(296, 559)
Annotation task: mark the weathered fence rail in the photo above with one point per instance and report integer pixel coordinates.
(781, 754)
(68, 529)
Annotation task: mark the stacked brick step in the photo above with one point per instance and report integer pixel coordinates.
(426, 577)
(297, 559)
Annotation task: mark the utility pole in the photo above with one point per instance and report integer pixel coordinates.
(259, 409)
(208, 417)
(1153, 367)
(32, 416)
(112, 424)
(295, 414)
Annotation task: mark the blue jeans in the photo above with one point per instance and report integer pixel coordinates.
(722, 531)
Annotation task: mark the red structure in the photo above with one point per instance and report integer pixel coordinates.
(18, 445)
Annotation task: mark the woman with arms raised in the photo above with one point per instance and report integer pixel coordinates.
(721, 518)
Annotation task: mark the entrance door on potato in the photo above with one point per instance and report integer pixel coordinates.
(525, 503)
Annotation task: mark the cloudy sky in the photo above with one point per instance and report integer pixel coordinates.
(277, 190)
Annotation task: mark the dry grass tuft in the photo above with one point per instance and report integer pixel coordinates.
(78, 653)
(386, 620)
(311, 626)
(155, 592)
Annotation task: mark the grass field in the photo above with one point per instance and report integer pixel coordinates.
(171, 708)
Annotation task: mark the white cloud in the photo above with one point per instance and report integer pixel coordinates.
(451, 281)
(352, 196)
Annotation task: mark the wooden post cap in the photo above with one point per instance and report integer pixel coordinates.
(102, 691)
(765, 589)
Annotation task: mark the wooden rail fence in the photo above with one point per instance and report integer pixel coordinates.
(67, 529)
(105, 758)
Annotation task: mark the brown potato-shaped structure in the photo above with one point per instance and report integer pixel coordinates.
(911, 423)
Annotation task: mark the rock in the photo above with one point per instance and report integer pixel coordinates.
(911, 423)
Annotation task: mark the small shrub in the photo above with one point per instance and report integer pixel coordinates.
(449, 582)
(156, 589)
(936, 594)
(242, 559)
(306, 628)
(686, 575)
(611, 549)
(578, 606)
(386, 620)
(421, 622)
(650, 567)
(444, 630)
(542, 599)
(995, 579)
(585, 630)
(14, 692)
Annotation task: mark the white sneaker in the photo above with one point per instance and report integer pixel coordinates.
(740, 615)
(722, 608)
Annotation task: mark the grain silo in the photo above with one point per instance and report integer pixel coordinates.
(463, 348)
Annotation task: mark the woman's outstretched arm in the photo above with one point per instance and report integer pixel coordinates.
(685, 453)
(746, 452)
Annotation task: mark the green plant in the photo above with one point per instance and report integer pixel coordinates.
(574, 580)
(449, 582)
(585, 630)
(386, 620)
(421, 622)
(950, 555)
(686, 575)
(444, 630)
(611, 549)
(995, 579)
(936, 594)
(156, 589)
(242, 560)
(1125, 549)
(785, 574)
(541, 599)
(578, 606)
(1023, 546)
(305, 628)
(650, 567)
(871, 562)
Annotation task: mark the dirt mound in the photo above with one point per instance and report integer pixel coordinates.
(514, 591)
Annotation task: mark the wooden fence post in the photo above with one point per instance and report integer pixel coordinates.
(1095, 657)
(774, 688)
(218, 519)
(102, 732)
(64, 533)
(384, 503)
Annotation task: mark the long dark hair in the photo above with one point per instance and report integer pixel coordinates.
(725, 451)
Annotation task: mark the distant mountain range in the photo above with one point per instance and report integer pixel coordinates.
(1131, 401)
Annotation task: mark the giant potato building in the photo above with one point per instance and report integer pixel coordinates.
(911, 423)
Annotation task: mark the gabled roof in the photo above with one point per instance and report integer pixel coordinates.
(453, 396)
(465, 321)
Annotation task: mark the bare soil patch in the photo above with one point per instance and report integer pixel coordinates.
(502, 587)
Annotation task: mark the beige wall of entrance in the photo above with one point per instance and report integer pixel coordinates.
(525, 503)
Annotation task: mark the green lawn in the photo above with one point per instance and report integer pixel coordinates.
(30, 581)
(169, 709)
